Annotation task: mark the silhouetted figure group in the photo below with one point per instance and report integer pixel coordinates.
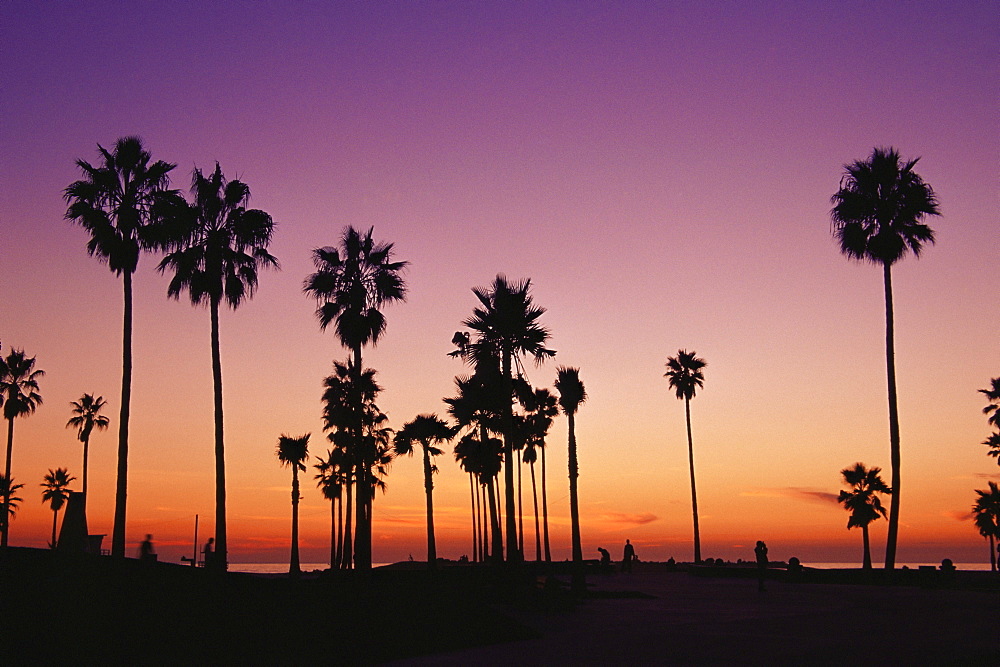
(628, 557)
(760, 551)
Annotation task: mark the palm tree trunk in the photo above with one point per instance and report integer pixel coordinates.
(347, 559)
(496, 550)
(55, 518)
(520, 509)
(513, 555)
(545, 512)
(578, 583)
(121, 486)
(993, 555)
(86, 448)
(474, 512)
(428, 488)
(538, 531)
(340, 532)
(293, 566)
(890, 367)
(5, 517)
(333, 533)
(221, 557)
(866, 563)
(362, 527)
(694, 494)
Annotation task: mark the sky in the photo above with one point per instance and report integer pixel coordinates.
(662, 172)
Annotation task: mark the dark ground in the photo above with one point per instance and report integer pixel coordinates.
(96, 610)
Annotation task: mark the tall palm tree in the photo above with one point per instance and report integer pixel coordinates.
(11, 502)
(993, 409)
(862, 502)
(86, 417)
(986, 514)
(120, 202)
(426, 431)
(685, 376)
(223, 246)
(292, 453)
(572, 394)
(330, 480)
(878, 215)
(351, 285)
(506, 327)
(55, 493)
(19, 388)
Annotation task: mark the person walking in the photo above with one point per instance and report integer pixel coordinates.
(628, 557)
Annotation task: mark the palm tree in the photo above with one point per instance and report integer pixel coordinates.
(223, 245)
(506, 326)
(542, 409)
(292, 453)
(351, 285)
(986, 514)
(572, 394)
(877, 218)
(55, 494)
(11, 502)
(120, 202)
(19, 388)
(684, 375)
(993, 409)
(330, 480)
(426, 431)
(862, 502)
(86, 417)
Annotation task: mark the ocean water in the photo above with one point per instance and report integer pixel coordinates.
(280, 568)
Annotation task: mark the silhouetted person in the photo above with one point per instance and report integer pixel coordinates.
(147, 553)
(208, 553)
(605, 559)
(628, 557)
(760, 551)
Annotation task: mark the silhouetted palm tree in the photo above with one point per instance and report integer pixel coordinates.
(877, 218)
(223, 246)
(86, 417)
(120, 202)
(19, 387)
(862, 502)
(56, 493)
(506, 327)
(352, 283)
(11, 502)
(684, 375)
(986, 514)
(542, 408)
(571, 395)
(993, 409)
(292, 453)
(330, 479)
(426, 431)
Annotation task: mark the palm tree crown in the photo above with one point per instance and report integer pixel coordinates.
(572, 393)
(224, 243)
(292, 452)
(55, 492)
(986, 515)
(12, 502)
(861, 501)
(685, 374)
(879, 208)
(19, 388)
(993, 409)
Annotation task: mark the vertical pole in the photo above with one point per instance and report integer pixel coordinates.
(194, 556)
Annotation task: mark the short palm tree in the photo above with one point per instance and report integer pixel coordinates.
(993, 409)
(120, 202)
(19, 387)
(55, 493)
(426, 431)
(223, 245)
(863, 502)
(292, 453)
(11, 501)
(685, 375)
(86, 417)
(351, 285)
(572, 394)
(878, 215)
(330, 480)
(507, 328)
(986, 514)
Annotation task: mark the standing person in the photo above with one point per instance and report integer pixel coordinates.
(628, 557)
(208, 552)
(146, 551)
(760, 551)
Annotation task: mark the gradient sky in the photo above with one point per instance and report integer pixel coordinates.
(661, 171)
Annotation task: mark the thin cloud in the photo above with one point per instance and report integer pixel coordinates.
(794, 492)
(634, 519)
(958, 515)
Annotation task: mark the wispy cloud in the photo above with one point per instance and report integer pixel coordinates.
(794, 492)
(633, 519)
(958, 515)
